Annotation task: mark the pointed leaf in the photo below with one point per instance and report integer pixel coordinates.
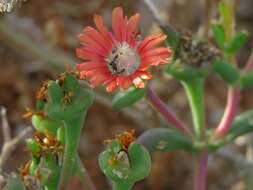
(219, 35)
(163, 139)
(227, 71)
(184, 72)
(246, 80)
(242, 124)
(127, 98)
(237, 42)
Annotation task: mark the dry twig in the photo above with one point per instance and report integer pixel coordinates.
(9, 143)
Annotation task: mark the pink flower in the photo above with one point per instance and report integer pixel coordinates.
(119, 59)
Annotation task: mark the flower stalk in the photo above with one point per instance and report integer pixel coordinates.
(194, 91)
(162, 108)
(201, 171)
(72, 135)
(229, 113)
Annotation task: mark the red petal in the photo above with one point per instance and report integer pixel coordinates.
(111, 86)
(99, 79)
(161, 51)
(117, 20)
(132, 27)
(151, 42)
(87, 41)
(144, 75)
(97, 37)
(103, 29)
(138, 82)
(127, 83)
(87, 54)
(90, 65)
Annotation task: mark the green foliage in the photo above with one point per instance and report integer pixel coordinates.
(237, 42)
(127, 98)
(34, 165)
(242, 124)
(227, 71)
(32, 146)
(61, 135)
(246, 80)
(163, 139)
(50, 172)
(219, 34)
(125, 167)
(68, 100)
(44, 124)
(185, 72)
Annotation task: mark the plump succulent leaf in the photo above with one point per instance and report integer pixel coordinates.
(163, 139)
(45, 124)
(127, 98)
(67, 100)
(219, 34)
(185, 72)
(237, 42)
(227, 71)
(246, 80)
(125, 168)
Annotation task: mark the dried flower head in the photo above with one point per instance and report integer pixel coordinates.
(126, 138)
(29, 113)
(119, 59)
(48, 143)
(41, 93)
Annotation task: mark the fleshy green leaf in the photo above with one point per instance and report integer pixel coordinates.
(184, 72)
(242, 124)
(33, 146)
(163, 139)
(55, 92)
(44, 124)
(227, 71)
(246, 80)
(124, 168)
(219, 35)
(70, 84)
(237, 42)
(127, 98)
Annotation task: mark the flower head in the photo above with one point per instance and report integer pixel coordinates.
(119, 59)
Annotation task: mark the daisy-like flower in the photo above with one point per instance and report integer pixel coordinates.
(119, 59)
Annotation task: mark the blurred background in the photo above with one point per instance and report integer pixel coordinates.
(38, 40)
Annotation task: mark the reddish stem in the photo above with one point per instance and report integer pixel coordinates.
(230, 112)
(162, 108)
(201, 171)
(249, 64)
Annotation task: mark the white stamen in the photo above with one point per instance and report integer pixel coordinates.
(123, 60)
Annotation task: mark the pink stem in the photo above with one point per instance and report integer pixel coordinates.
(230, 112)
(201, 171)
(162, 108)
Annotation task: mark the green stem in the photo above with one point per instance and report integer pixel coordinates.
(72, 135)
(195, 93)
(122, 186)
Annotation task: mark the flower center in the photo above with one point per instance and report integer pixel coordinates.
(123, 60)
